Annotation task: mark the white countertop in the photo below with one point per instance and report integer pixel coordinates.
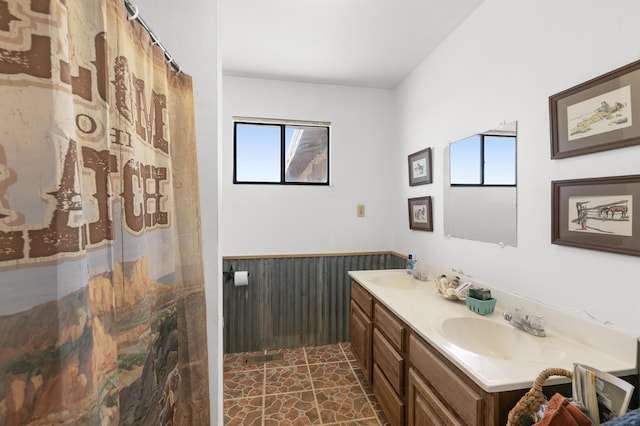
(568, 339)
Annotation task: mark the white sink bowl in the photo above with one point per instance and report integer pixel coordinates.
(491, 339)
(395, 279)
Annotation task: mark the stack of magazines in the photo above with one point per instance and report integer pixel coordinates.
(603, 395)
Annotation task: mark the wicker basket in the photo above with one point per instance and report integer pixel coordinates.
(524, 412)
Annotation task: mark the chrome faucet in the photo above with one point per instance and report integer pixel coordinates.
(533, 325)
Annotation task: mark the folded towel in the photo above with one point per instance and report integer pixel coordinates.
(630, 418)
(561, 412)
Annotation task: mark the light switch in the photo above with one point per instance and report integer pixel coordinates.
(360, 210)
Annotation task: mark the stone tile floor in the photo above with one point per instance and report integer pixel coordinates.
(320, 385)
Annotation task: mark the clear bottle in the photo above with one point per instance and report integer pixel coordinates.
(410, 265)
(420, 270)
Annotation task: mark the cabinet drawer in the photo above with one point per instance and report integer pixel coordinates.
(424, 407)
(466, 402)
(389, 361)
(362, 298)
(391, 404)
(390, 326)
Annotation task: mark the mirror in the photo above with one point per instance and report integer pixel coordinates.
(480, 192)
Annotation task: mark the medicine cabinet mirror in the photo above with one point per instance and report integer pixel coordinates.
(480, 191)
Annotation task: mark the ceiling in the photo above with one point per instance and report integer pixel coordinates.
(371, 43)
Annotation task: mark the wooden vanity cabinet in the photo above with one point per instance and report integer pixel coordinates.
(361, 328)
(412, 381)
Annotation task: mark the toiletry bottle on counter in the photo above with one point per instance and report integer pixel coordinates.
(420, 270)
(410, 265)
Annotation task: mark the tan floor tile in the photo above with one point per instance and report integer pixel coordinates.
(241, 384)
(377, 408)
(332, 375)
(294, 356)
(297, 409)
(286, 396)
(287, 379)
(324, 354)
(343, 404)
(242, 412)
(364, 422)
(346, 347)
(236, 362)
(368, 389)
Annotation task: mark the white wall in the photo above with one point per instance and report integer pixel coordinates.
(502, 64)
(277, 219)
(189, 32)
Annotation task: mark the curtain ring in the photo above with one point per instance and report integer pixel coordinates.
(136, 13)
(169, 59)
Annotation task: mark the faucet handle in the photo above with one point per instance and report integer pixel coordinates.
(516, 311)
(537, 321)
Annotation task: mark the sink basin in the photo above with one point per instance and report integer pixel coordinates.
(395, 279)
(490, 339)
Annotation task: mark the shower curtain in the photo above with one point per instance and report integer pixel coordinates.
(102, 312)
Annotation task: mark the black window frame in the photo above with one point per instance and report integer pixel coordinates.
(282, 124)
(482, 165)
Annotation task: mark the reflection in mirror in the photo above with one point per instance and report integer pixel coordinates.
(466, 161)
(480, 187)
(499, 160)
(484, 159)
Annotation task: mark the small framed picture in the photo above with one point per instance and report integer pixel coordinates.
(598, 115)
(597, 214)
(420, 167)
(420, 216)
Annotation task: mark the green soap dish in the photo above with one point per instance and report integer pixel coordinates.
(482, 307)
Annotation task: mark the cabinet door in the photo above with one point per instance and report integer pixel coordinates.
(424, 407)
(361, 328)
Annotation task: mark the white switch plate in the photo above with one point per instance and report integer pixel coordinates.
(360, 210)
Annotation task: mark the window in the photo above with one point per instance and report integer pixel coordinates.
(285, 153)
(485, 160)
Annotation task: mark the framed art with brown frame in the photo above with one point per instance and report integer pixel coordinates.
(420, 167)
(596, 214)
(598, 115)
(420, 214)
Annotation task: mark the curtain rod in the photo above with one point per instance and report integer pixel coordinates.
(134, 15)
